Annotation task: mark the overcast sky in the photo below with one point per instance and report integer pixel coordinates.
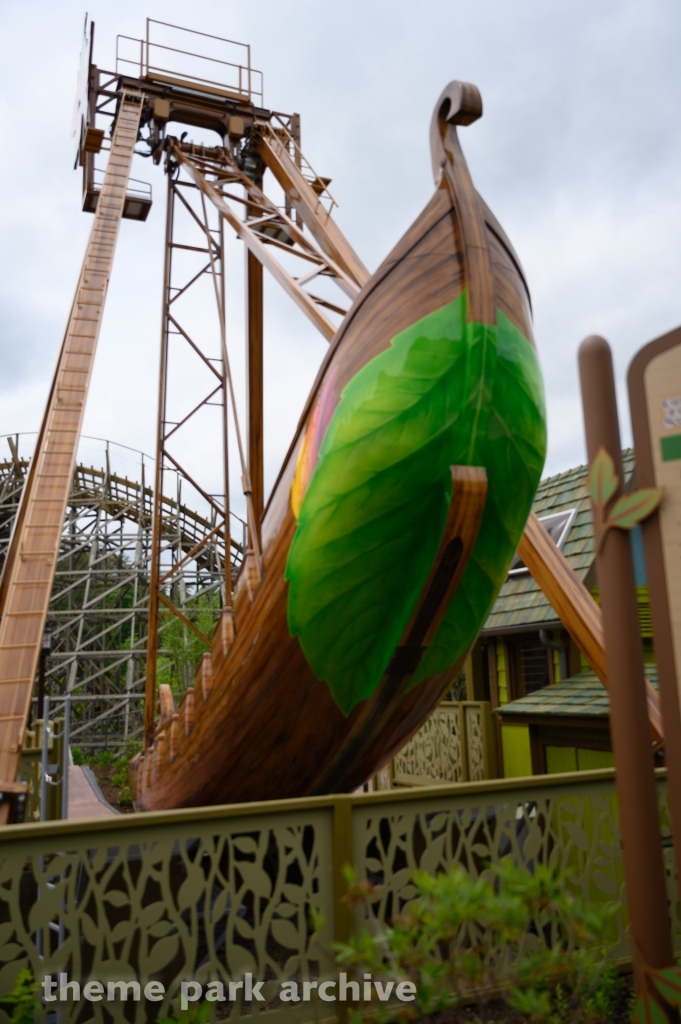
(578, 154)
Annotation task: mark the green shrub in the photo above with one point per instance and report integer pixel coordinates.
(24, 998)
(181, 648)
(197, 1015)
(120, 776)
(125, 797)
(514, 936)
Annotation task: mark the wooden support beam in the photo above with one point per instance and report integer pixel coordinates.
(254, 373)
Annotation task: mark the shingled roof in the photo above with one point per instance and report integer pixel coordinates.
(520, 601)
(582, 695)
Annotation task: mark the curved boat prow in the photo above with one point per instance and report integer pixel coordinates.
(393, 523)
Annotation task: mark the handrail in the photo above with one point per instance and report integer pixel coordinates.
(148, 68)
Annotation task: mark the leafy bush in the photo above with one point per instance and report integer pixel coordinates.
(181, 647)
(197, 1015)
(120, 776)
(24, 998)
(120, 780)
(514, 936)
(105, 758)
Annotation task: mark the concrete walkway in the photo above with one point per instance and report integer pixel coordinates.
(85, 797)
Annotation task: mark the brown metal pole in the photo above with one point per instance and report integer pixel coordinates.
(155, 557)
(225, 424)
(636, 792)
(41, 684)
(254, 364)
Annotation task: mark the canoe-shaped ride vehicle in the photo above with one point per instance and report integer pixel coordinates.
(391, 527)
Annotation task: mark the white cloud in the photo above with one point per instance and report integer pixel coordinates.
(578, 154)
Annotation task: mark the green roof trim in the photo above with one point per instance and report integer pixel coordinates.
(582, 695)
(521, 601)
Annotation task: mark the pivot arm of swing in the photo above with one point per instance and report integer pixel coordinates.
(309, 206)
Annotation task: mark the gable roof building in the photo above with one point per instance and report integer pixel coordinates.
(551, 711)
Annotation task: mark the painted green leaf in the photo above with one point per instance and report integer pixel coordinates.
(629, 510)
(512, 451)
(445, 393)
(603, 480)
(648, 1011)
(668, 984)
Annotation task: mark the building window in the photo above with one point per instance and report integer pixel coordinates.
(529, 664)
(534, 667)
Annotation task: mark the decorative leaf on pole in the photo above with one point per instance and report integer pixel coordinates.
(661, 993)
(631, 509)
(603, 480)
(628, 511)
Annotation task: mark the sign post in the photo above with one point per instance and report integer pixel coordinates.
(636, 792)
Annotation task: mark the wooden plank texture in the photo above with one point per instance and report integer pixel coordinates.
(30, 565)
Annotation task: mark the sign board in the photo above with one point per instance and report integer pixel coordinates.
(79, 119)
(655, 397)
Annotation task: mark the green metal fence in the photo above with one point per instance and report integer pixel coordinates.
(219, 893)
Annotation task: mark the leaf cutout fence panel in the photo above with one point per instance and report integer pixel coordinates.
(208, 902)
(572, 827)
(436, 752)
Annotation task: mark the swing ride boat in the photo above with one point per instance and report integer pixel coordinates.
(390, 529)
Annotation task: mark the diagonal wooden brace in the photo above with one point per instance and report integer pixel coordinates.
(576, 608)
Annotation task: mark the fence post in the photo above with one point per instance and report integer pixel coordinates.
(343, 853)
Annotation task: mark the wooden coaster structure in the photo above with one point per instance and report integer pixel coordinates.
(255, 139)
(96, 634)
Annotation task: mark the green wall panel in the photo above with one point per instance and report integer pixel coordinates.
(515, 742)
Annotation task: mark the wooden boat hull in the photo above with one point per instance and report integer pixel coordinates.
(352, 636)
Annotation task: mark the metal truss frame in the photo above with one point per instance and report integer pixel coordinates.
(230, 178)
